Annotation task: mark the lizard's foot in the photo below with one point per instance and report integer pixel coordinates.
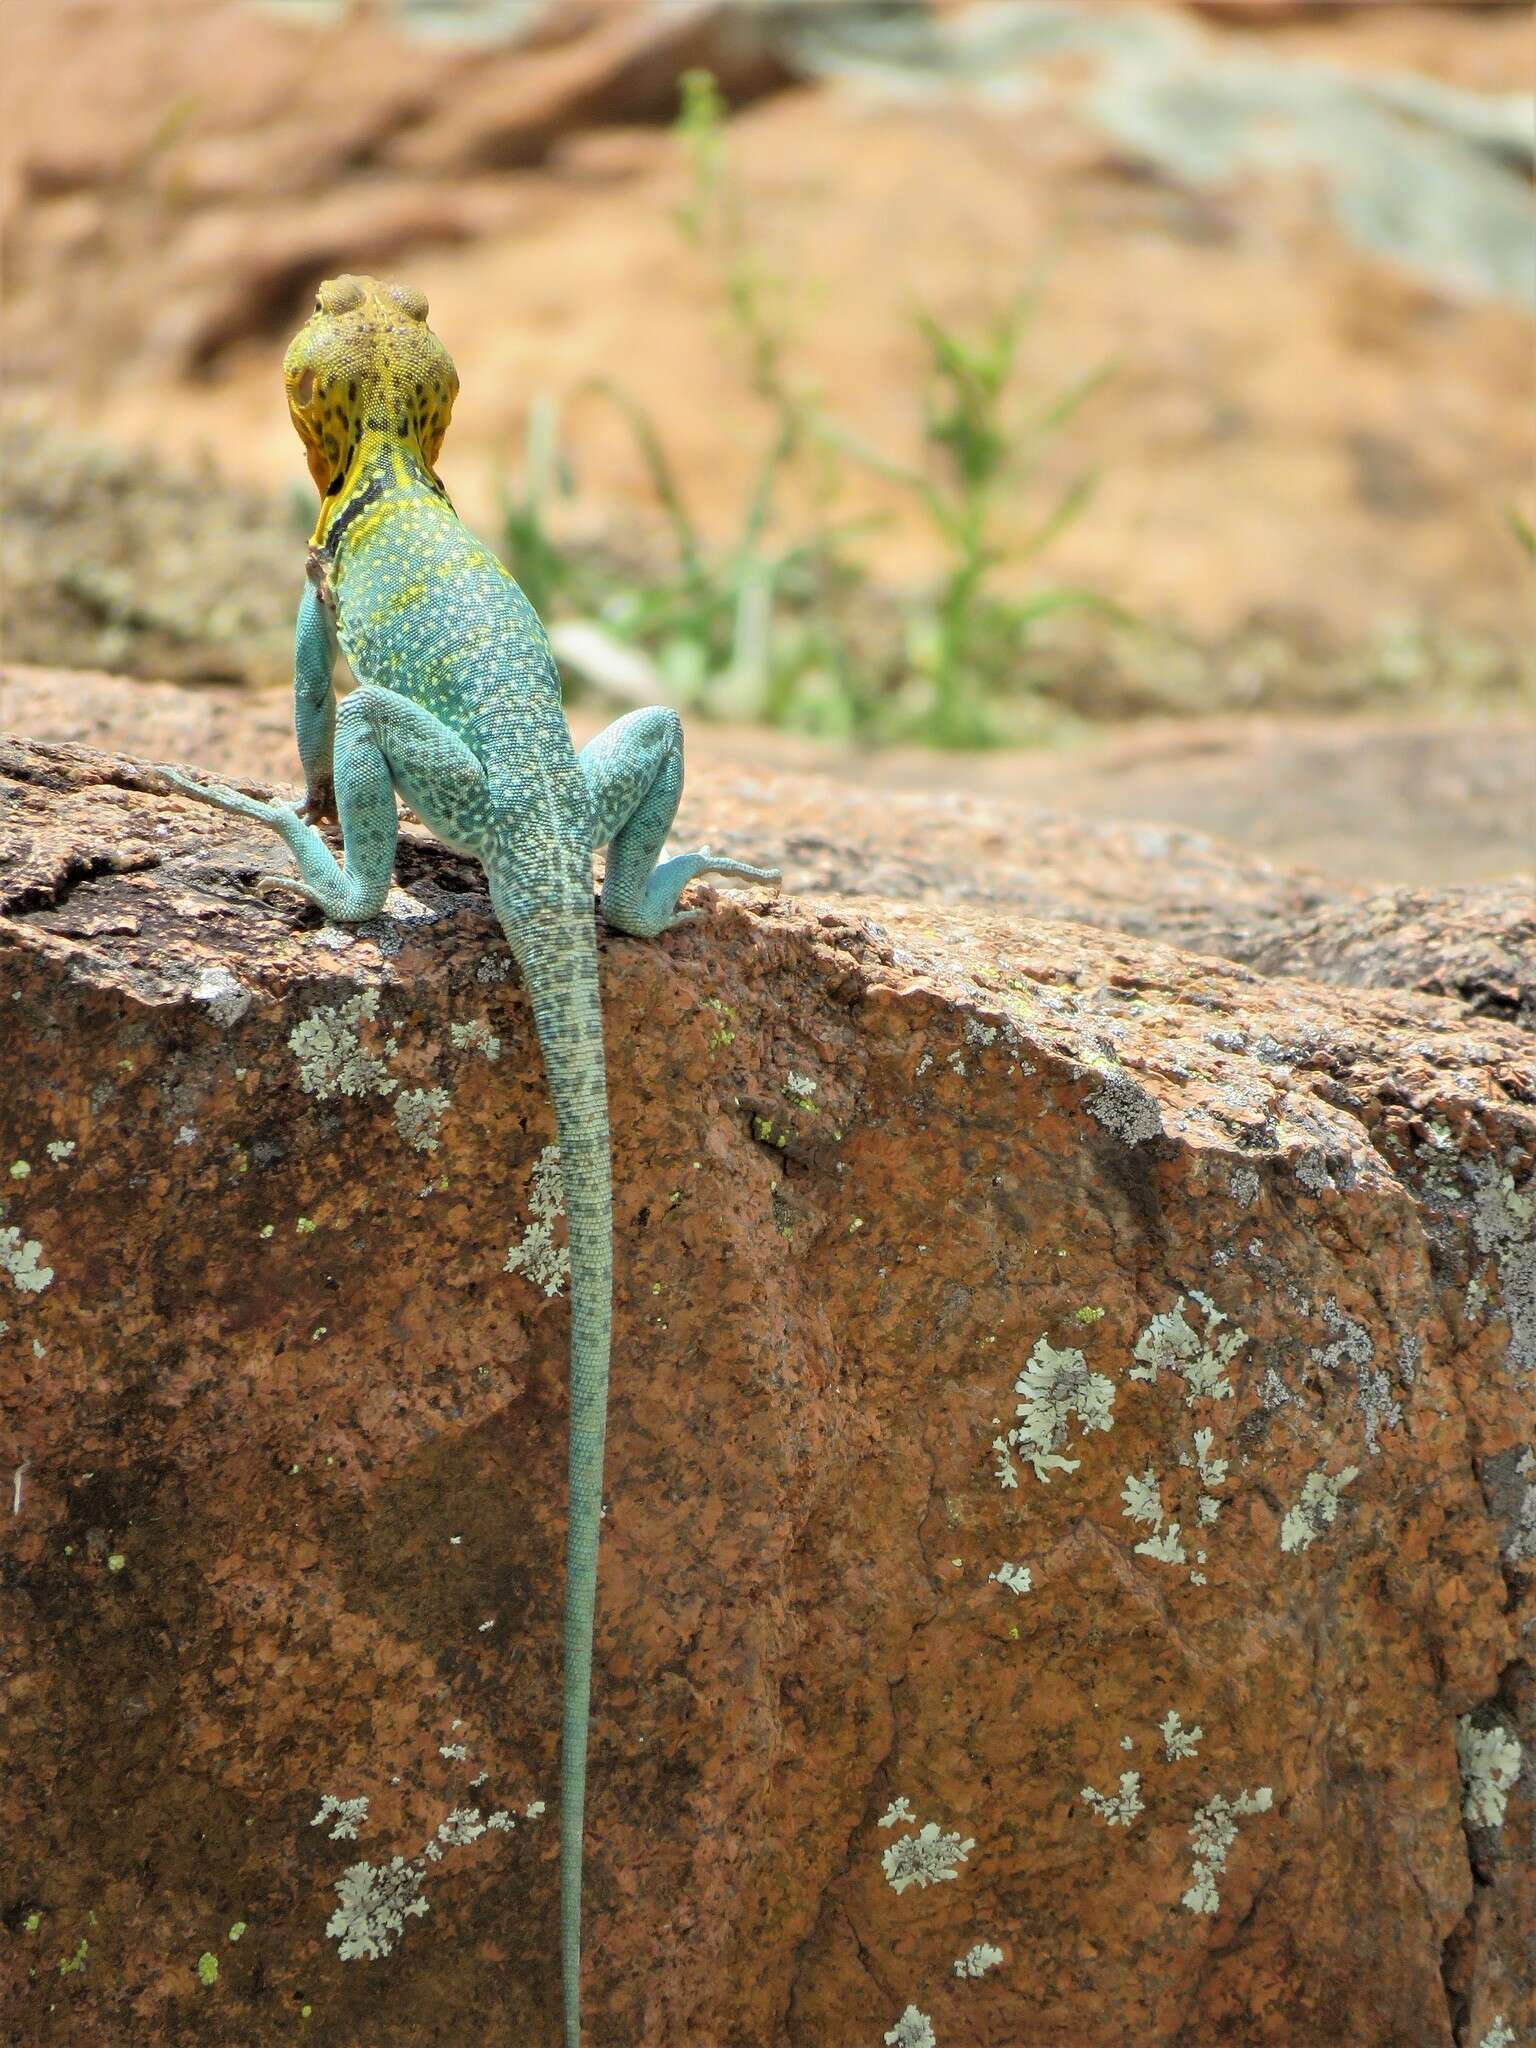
(345, 896)
(319, 805)
(742, 870)
(338, 898)
(263, 884)
(656, 910)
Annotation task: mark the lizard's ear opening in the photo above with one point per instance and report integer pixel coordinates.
(437, 408)
(321, 449)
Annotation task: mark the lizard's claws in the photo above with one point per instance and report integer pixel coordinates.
(319, 805)
(289, 883)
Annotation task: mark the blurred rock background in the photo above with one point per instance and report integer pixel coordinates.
(1123, 407)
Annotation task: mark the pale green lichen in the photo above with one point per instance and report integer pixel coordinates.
(1500, 2035)
(226, 998)
(1517, 1464)
(1125, 1109)
(913, 2030)
(1143, 1498)
(20, 1170)
(1056, 1387)
(419, 1116)
(1169, 1343)
(60, 1149)
(1316, 1508)
(1502, 1215)
(20, 1258)
(1117, 1809)
(1352, 1348)
(236, 1931)
(1178, 1741)
(70, 1966)
(536, 1255)
(1165, 1546)
(348, 1815)
(1142, 1501)
(476, 1036)
(1489, 1761)
(331, 1055)
(462, 1826)
(116, 1561)
(1212, 1833)
(931, 1856)
(1016, 1577)
(207, 1967)
(900, 1809)
(376, 1901)
(978, 1959)
(1213, 1470)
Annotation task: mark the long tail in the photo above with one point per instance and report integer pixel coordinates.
(557, 952)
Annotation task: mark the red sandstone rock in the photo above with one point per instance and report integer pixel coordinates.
(1160, 881)
(288, 1440)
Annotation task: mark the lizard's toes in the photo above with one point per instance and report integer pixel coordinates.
(231, 800)
(290, 884)
(319, 806)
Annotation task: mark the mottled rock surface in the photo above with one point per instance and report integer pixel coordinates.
(1192, 1714)
(793, 810)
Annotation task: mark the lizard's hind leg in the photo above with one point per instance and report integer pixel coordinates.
(382, 741)
(634, 776)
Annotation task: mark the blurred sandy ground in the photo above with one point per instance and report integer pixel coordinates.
(1304, 432)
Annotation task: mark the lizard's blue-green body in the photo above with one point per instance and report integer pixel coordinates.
(458, 709)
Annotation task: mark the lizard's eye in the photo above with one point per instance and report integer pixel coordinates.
(318, 307)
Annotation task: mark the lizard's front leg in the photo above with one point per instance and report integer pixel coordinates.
(314, 697)
(382, 741)
(634, 776)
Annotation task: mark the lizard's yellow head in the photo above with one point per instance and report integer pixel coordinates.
(366, 366)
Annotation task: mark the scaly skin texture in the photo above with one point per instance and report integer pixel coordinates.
(458, 709)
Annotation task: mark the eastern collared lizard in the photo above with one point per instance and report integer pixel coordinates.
(457, 707)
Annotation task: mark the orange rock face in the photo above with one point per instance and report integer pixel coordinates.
(1067, 1571)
